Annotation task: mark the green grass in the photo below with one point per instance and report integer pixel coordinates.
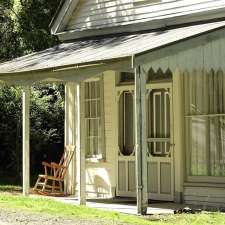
(43, 205)
(10, 188)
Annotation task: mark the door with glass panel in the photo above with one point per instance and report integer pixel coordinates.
(160, 154)
(126, 152)
(160, 143)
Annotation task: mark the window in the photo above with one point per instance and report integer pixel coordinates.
(126, 123)
(205, 123)
(94, 132)
(126, 78)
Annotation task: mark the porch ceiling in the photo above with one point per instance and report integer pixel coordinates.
(101, 50)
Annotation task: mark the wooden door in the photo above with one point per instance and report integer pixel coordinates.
(160, 143)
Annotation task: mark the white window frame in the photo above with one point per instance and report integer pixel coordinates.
(102, 156)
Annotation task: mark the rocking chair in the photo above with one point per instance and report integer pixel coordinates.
(51, 183)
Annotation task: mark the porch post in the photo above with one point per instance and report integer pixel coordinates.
(70, 134)
(81, 172)
(140, 141)
(26, 139)
(178, 111)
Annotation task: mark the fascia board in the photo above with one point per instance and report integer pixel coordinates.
(62, 17)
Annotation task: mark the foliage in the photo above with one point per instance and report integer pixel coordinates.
(33, 22)
(47, 118)
(47, 123)
(10, 129)
(24, 28)
(9, 40)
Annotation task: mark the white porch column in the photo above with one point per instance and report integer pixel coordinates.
(80, 151)
(70, 136)
(178, 110)
(140, 141)
(26, 139)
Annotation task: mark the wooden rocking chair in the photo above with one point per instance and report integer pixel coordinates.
(51, 183)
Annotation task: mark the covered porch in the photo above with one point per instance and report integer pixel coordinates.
(180, 50)
(126, 205)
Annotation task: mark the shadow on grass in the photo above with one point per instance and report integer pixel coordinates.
(10, 188)
(10, 185)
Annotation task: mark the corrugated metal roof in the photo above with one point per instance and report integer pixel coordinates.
(103, 49)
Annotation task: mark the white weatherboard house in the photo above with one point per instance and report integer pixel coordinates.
(145, 98)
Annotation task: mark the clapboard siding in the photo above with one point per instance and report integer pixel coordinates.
(205, 196)
(95, 14)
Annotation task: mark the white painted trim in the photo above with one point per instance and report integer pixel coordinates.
(70, 136)
(61, 20)
(26, 140)
(81, 168)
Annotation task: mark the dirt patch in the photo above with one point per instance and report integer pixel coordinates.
(14, 217)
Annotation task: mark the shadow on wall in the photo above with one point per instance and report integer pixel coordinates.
(101, 188)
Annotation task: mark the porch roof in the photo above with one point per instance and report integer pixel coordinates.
(97, 50)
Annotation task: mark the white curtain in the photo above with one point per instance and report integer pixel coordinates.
(205, 122)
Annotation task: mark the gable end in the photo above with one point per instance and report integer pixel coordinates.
(63, 15)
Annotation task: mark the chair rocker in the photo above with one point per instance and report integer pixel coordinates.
(51, 183)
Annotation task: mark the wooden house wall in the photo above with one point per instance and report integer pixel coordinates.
(101, 175)
(204, 53)
(205, 196)
(95, 14)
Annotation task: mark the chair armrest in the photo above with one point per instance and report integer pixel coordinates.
(57, 165)
(46, 164)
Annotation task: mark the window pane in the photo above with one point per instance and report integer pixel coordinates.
(97, 88)
(159, 122)
(86, 88)
(87, 109)
(93, 109)
(98, 108)
(87, 146)
(92, 90)
(205, 127)
(126, 123)
(204, 93)
(93, 119)
(207, 146)
(126, 77)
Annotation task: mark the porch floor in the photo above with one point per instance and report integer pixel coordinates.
(125, 205)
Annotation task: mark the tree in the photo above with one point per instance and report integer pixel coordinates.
(9, 41)
(24, 28)
(33, 19)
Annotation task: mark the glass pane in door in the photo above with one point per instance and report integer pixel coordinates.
(159, 122)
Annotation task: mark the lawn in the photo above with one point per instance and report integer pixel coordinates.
(43, 205)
